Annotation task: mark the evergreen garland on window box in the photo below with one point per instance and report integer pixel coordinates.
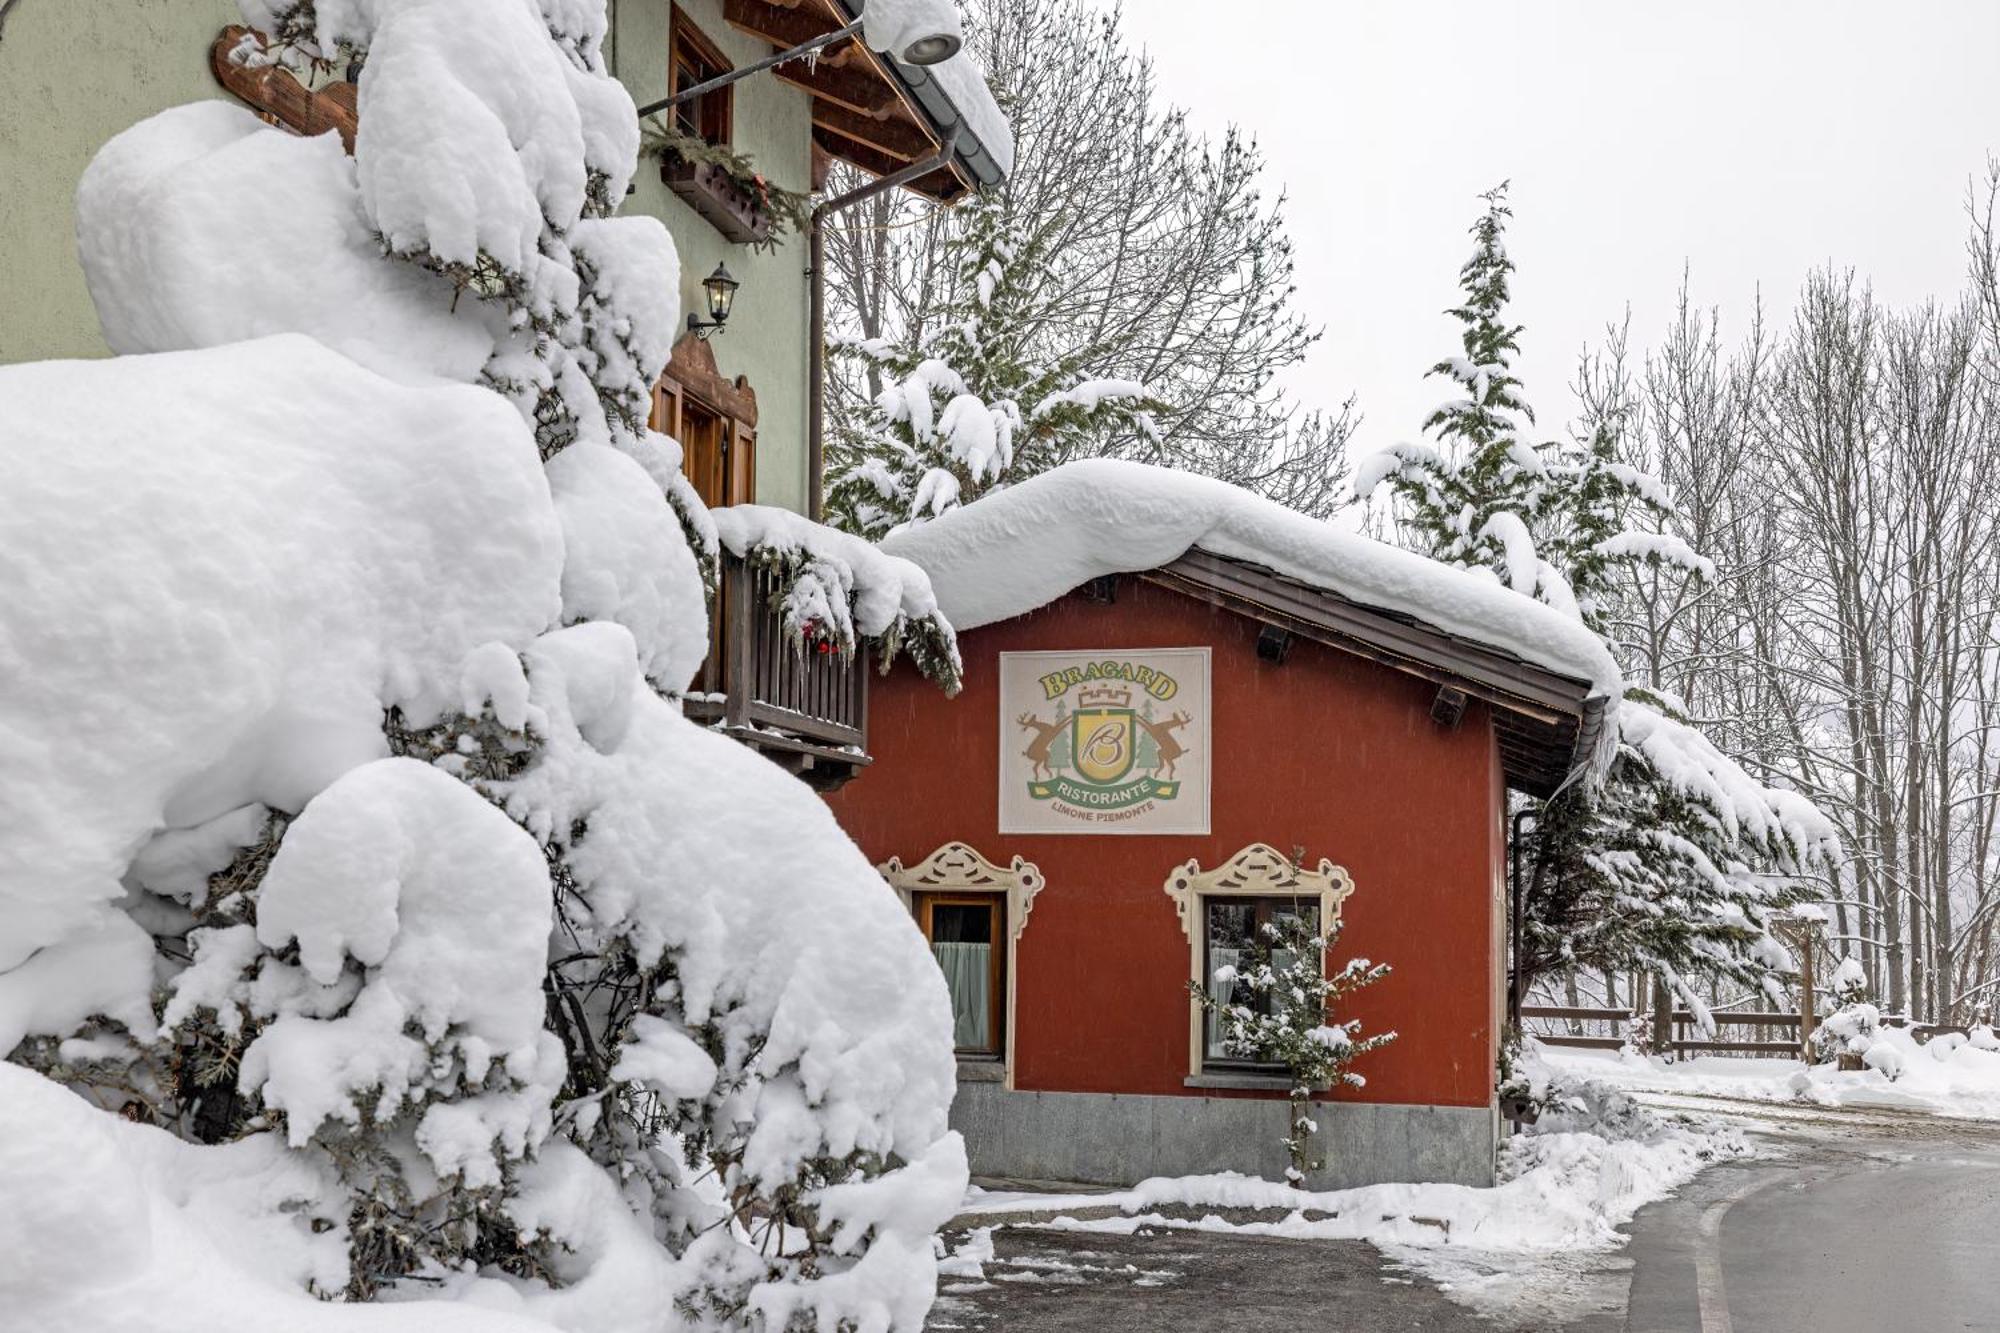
(781, 211)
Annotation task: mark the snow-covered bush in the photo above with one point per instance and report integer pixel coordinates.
(355, 831)
(1288, 1021)
(1853, 1030)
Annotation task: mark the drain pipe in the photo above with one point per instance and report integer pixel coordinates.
(1514, 997)
(816, 242)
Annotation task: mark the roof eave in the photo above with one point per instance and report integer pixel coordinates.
(1546, 724)
(941, 115)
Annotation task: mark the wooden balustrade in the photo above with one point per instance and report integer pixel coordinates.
(805, 705)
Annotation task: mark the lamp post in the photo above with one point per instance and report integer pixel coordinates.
(720, 289)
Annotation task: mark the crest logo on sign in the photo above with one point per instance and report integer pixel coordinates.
(1105, 742)
(1088, 757)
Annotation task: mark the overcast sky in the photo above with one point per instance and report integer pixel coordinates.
(1750, 139)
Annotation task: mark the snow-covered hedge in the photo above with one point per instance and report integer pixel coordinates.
(355, 845)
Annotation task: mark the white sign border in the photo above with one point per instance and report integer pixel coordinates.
(1207, 829)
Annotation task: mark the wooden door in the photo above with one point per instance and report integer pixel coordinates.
(704, 453)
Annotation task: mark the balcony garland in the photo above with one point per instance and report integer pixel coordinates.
(834, 592)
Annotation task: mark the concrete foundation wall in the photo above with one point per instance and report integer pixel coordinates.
(1114, 1139)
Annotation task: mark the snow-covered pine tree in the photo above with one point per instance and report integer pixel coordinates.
(973, 402)
(1656, 867)
(1473, 497)
(1291, 1024)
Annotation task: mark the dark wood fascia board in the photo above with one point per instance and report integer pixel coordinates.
(1544, 722)
(1434, 654)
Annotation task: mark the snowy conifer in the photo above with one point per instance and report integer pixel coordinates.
(1658, 866)
(973, 403)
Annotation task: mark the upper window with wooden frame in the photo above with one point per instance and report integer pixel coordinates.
(694, 59)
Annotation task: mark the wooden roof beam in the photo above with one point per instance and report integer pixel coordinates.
(892, 135)
(942, 184)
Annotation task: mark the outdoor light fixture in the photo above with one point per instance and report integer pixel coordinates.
(915, 35)
(721, 290)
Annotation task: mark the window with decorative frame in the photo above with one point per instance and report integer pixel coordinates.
(1223, 912)
(973, 912)
(693, 59)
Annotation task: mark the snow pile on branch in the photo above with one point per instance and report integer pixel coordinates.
(1024, 547)
(213, 594)
(839, 590)
(1794, 831)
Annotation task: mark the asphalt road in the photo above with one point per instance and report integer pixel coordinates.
(1851, 1223)
(1888, 1223)
(1189, 1282)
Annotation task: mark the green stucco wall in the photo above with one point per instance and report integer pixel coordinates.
(73, 73)
(767, 335)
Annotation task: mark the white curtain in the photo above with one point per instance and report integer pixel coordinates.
(968, 975)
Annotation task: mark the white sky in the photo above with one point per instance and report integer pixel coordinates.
(1751, 139)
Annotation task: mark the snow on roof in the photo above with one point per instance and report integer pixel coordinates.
(1024, 547)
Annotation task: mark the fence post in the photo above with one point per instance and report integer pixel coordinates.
(1664, 1036)
(1806, 1009)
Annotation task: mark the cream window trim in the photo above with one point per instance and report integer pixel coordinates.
(1258, 871)
(958, 867)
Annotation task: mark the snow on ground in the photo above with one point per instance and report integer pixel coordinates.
(1565, 1188)
(1949, 1077)
(1023, 547)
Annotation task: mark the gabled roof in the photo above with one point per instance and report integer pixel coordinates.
(878, 114)
(1548, 679)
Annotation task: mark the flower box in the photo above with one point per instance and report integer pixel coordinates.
(728, 206)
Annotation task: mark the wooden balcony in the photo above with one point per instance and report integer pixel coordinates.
(804, 708)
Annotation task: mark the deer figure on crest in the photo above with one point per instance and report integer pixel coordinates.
(1170, 748)
(1037, 752)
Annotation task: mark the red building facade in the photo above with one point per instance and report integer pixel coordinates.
(1351, 761)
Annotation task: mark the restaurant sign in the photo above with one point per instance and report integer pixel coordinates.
(1104, 742)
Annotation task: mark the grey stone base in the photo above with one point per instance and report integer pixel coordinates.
(1115, 1139)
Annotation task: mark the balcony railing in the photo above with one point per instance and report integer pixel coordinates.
(805, 708)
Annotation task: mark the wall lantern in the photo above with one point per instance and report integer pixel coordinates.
(721, 290)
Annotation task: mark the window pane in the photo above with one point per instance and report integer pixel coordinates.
(1236, 938)
(962, 923)
(1232, 932)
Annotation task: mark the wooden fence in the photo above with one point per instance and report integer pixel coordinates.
(1679, 1042)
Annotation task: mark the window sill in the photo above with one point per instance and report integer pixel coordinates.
(1240, 1082)
(981, 1071)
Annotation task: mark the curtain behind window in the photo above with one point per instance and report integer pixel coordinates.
(968, 975)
